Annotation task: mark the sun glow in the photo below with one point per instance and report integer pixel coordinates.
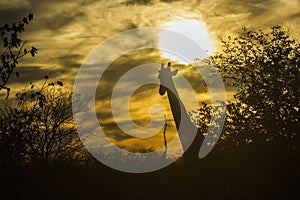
(193, 29)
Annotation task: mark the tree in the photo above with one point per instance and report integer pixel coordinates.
(39, 129)
(264, 67)
(12, 48)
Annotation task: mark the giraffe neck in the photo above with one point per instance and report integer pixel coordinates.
(191, 145)
(177, 107)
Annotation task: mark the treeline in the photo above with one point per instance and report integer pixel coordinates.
(38, 129)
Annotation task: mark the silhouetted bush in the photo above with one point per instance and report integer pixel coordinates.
(38, 129)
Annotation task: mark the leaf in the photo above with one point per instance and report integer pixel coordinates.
(46, 77)
(60, 83)
(32, 86)
(25, 20)
(17, 74)
(30, 17)
(33, 51)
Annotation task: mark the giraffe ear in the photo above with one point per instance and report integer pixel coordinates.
(174, 72)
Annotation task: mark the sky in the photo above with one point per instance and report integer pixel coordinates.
(65, 32)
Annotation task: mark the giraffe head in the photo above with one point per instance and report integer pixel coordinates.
(165, 76)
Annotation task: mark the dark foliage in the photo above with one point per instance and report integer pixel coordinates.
(38, 129)
(264, 67)
(13, 48)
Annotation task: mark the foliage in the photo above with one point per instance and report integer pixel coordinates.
(39, 129)
(241, 125)
(264, 67)
(12, 48)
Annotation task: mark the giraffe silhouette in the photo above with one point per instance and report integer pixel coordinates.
(190, 136)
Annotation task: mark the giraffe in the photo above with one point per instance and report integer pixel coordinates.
(188, 133)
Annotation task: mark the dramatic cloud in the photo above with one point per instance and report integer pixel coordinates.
(66, 31)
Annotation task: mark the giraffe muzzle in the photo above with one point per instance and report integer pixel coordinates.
(162, 90)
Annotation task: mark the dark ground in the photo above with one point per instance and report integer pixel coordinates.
(248, 174)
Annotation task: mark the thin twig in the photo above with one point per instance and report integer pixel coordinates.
(165, 138)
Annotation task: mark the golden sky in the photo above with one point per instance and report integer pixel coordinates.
(66, 31)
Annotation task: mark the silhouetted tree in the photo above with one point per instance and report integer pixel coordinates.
(39, 129)
(12, 48)
(264, 67)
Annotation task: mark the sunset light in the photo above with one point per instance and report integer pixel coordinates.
(149, 99)
(193, 29)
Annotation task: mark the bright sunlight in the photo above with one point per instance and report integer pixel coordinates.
(193, 29)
